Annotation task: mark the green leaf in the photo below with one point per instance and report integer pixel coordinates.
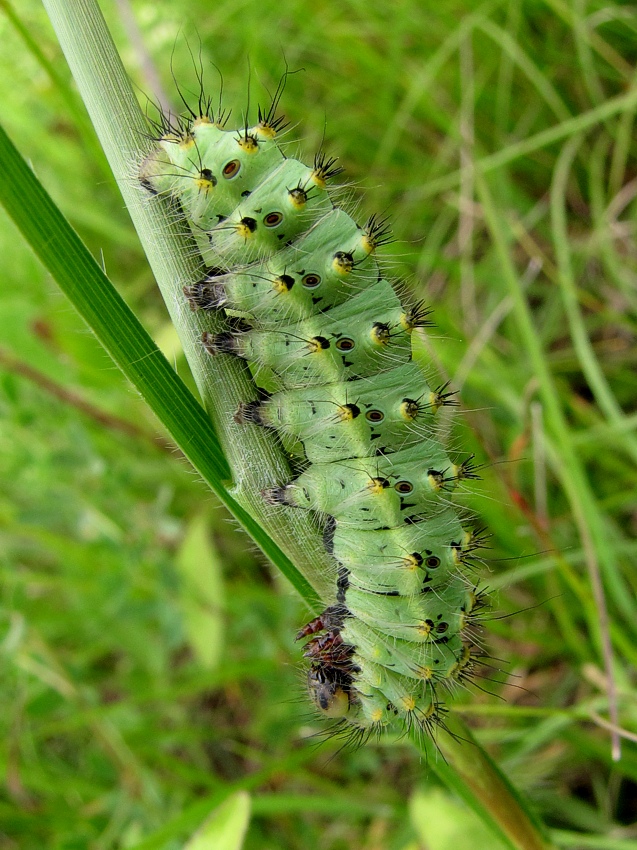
(467, 769)
(201, 593)
(443, 824)
(226, 827)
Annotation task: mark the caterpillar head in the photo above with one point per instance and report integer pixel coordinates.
(329, 689)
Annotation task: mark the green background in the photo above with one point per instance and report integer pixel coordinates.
(148, 663)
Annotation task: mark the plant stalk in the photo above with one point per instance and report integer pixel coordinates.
(254, 458)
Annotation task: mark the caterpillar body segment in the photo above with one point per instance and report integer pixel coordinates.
(428, 662)
(387, 491)
(410, 559)
(280, 208)
(308, 303)
(323, 268)
(361, 337)
(209, 169)
(369, 416)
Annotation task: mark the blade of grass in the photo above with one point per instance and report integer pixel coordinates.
(421, 82)
(596, 42)
(97, 301)
(515, 52)
(191, 816)
(467, 769)
(504, 88)
(578, 841)
(566, 279)
(563, 130)
(621, 149)
(68, 95)
(614, 265)
(590, 524)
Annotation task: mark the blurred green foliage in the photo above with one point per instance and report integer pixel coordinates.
(118, 728)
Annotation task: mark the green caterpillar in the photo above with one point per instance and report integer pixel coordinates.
(305, 297)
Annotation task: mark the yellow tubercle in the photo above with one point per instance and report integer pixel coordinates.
(317, 344)
(469, 534)
(409, 410)
(264, 131)
(435, 402)
(424, 628)
(248, 143)
(380, 333)
(468, 608)
(408, 702)
(345, 413)
(204, 185)
(282, 284)
(431, 710)
(377, 485)
(297, 198)
(367, 244)
(436, 480)
(318, 179)
(343, 263)
(461, 664)
(411, 562)
(244, 230)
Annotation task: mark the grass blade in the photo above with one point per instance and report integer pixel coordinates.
(96, 299)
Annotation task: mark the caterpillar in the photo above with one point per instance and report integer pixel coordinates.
(307, 302)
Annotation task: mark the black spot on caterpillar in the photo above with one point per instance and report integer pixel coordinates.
(306, 298)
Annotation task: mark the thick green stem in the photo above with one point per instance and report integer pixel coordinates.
(223, 382)
(464, 767)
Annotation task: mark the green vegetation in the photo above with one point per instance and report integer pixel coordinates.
(148, 662)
